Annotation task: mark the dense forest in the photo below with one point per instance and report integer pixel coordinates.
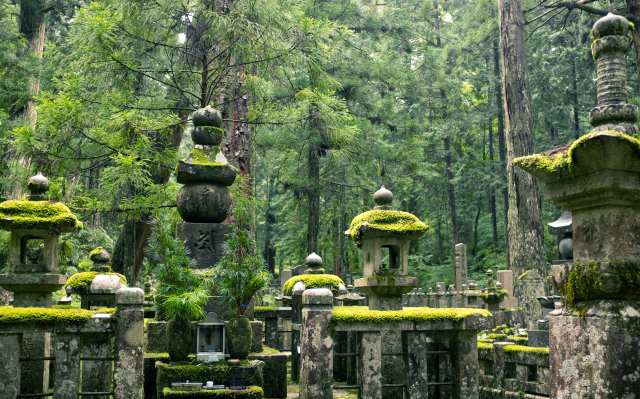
(322, 101)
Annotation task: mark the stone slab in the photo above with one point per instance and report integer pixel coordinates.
(204, 241)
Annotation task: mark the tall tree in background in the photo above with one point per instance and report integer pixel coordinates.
(525, 230)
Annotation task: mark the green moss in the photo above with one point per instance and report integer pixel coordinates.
(266, 351)
(484, 345)
(313, 281)
(515, 338)
(496, 294)
(218, 373)
(485, 341)
(356, 314)
(497, 336)
(527, 349)
(386, 220)
(96, 252)
(79, 282)
(523, 275)
(253, 392)
(203, 156)
(38, 215)
(11, 315)
(264, 309)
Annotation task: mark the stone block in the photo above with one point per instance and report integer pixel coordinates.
(256, 336)
(10, 366)
(204, 241)
(274, 372)
(157, 336)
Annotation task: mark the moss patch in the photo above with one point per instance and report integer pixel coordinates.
(484, 345)
(399, 222)
(527, 349)
(38, 215)
(79, 282)
(202, 156)
(11, 315)
(356, 314)
(253, 392)
(218, 373)
(265, 351)
(313, 281)
(264, 309)
(497, 336)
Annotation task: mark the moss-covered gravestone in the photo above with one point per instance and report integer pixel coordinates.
(35, 225)
(384, 235)
(204, 201)
(595, 339)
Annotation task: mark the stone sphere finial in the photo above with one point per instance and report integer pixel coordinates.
(207, 116)
(610, 25)
(314, 262)
(100, 257)
(383, 198)
(38, 185)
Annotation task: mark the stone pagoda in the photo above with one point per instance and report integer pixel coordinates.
(384, 235)
(595, 340)
(204, 201)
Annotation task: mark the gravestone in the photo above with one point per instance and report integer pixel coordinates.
(594, 340)
(505, 277)
(461, 267)
(204, 201)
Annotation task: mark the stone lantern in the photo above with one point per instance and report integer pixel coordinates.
(35, 225)
(385, 235)
(102, 289)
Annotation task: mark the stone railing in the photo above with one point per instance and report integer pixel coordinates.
(95, 355)
(507, 370)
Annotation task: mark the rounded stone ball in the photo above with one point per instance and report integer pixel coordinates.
(38, 186)
(610, 25)
(207, 135)
(383, 196)
(565, 247)
(204, 203)
(313, 260)
(207, 116)
(100, 257)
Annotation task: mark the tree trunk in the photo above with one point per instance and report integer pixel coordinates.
(492, 194)
(633, 7)
(501, 146)
(32, 26)
(525, 230)
(313, 199)
(576, 120)
(343, 227)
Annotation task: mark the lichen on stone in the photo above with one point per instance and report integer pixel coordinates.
(399, 222)
(19, 214)
(80, 282)
(11, 315)
(355, 314)
(313, 281)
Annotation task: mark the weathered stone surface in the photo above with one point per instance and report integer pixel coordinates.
(129, 344)
(416, 364)
(465, 365)
(207, 135)
(187, 172)
(316, 345)
(594, 356)
(204, 241)
(96, 374)
(35, 375)
(157, 336)
(256, 336)
(528, 288)
(274, 372)
(67, 371)
(460, 263)
(207, 116)
(370, 370)
(10, 366)
(204, 203)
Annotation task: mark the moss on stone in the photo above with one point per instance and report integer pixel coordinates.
(356, 314)
(80, 282)
(398, 222)
(496, 294)
(202, 156)
(265, 351)
(38, 215)
(313, 281)
(218, 373)
(484, 345)
(264, 309)
(527, 349)
(516, 338)
(11, 315)
(497, 336)
(96, 252)
(252, 392)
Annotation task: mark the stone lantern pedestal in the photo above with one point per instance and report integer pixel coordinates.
(594, 340)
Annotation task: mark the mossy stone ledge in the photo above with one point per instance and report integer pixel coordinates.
(46, 316)
(313, 281)
(38, 215)
(386, 221)
(81, 282)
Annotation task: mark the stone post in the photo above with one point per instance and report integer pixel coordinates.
(498, 363)
(464, 361)
(316, 374)
(96, 374)
(271, 332)
(9, 366)
(370, 364)
(296, 318)
(415, 347)
(67, 372)
(463, 297)
(431, 301)
(256, 336)
(505, 277)
(441, 296)
(461, 266)
(420, 297)
(127, 374)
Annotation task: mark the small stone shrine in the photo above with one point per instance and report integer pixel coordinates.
(204, 201)
(384, 235)
(594, 340)
(35, 225)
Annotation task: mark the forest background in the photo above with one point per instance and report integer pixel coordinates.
(323, 102)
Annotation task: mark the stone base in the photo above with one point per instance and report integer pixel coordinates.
(538, 338)
(391, 302)
(203, 241)
(597, 355)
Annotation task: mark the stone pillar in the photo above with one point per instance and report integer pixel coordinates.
(463, 297)
(127, 374)
(271, 332)
(451, 297)
(464, 361)
(441, 296)
(316, 375)
(498, 364)
(431, 301)
(370, 367)
(421, 301)
(67, 372)
(505, 277)
(256, 336)
(461, 266)
(415, 347)
(9, 366)
(296, 318)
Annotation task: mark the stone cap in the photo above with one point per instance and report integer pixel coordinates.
(207, 116)
(130, 296)
(317, 296)
(38, 185)
(38, 215)
(611, 25)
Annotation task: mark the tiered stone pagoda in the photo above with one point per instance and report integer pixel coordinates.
(385, 231)
(204, 201)
(595, 340)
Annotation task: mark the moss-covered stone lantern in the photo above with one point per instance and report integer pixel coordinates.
(385, 235)
(35, 225)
